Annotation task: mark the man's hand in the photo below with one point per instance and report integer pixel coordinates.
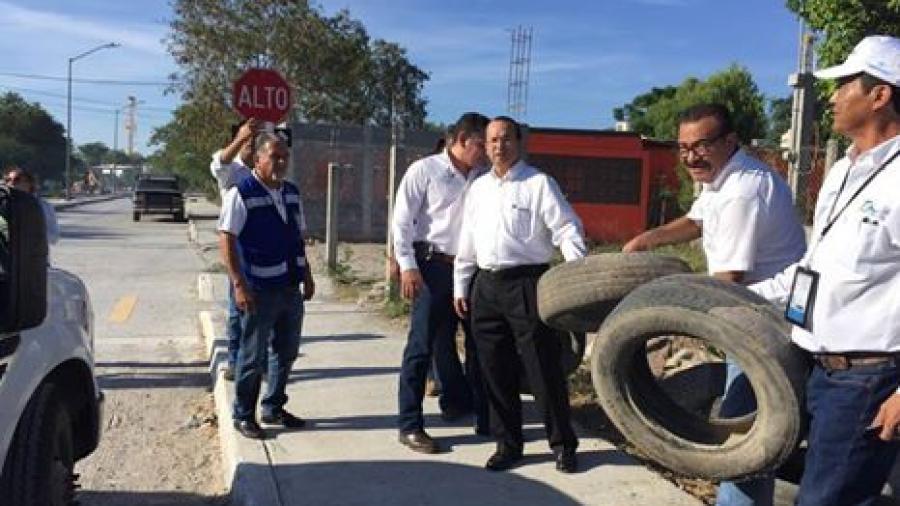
(461, 307)
(888, 418)
(640, 243)
(309, 288)
(410, 283)
(248, 130)
(243, 299)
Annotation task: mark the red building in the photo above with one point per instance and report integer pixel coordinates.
(618, 182)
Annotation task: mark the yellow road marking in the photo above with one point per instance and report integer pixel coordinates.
(123, 308)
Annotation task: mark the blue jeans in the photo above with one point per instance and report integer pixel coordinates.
(432, 336)
(232, 326)
(739, 400)
(233, 320)
(275, 325)
(845, 464)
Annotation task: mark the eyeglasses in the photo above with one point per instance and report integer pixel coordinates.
(701, 148)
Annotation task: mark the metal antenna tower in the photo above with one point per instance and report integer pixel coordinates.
(519, 72)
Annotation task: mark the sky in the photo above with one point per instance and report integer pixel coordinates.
(587, 56)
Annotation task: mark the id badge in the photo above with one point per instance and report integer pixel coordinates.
(802, 297)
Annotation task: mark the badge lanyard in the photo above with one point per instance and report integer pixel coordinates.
(806, 280)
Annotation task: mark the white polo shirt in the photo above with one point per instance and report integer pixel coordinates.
(429, 207)
(227, 174)
(517, 219)
(857, 304)
(748, 220)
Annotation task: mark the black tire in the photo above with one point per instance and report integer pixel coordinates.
(731, 318)
(136, 216)
(179, 217)
(40, 462)
(576, 296)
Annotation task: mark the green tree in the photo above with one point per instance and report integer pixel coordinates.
(93, 153)
(655, 113)
(337, 73)
(30, 137)
(779, 118)
(843, 23)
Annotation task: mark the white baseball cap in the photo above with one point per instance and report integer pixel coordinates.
(876, 55)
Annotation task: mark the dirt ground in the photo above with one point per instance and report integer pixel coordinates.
(160, 443)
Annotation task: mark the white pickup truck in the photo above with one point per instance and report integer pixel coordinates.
(50, 402)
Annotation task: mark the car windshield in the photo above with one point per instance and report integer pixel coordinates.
(157, 184)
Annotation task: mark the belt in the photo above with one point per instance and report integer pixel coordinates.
(519, 271)
(427, 252)
(844, 361)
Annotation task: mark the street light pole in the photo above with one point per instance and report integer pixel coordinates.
(68, 175)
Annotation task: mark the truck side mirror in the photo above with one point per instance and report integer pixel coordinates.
(23, 261)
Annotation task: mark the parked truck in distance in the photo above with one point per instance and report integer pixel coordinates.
(158, 195)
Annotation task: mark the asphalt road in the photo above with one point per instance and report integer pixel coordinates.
(160, 443)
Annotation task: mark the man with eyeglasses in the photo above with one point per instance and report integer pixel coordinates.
(848, 316)
(749, 229)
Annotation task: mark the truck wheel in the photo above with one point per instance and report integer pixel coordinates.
(136, 216)
(40, 462)
(730, 318)
(577, 295)
(179, 217)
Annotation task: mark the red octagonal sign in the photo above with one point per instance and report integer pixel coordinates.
(262, 94)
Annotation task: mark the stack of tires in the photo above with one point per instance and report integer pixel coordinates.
(635, 298)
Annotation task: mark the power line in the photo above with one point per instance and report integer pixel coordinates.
(84, 100)
(112, 82)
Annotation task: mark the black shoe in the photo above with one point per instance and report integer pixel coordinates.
(503, 460)
(566, 461)
(229, 372)
(418, 441)
(284, 419)
(249, 429)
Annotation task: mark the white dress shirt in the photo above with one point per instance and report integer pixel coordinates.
(228, 174)
(514, 220)
(857, 304)
(748, 220)
(429, 207)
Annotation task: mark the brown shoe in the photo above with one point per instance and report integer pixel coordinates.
(431, 388)
(418, 441)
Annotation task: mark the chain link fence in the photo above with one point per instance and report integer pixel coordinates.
(365, 154)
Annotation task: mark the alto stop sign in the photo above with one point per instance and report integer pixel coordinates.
(262, 94)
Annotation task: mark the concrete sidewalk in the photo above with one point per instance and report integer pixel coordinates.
(345, 385)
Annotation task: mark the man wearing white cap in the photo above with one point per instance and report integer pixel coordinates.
(844, 295)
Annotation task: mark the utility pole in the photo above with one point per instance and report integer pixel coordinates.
(393, 162)
(131, 123)
(803, 116)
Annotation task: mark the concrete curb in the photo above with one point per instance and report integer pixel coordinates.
(58, 206)
(245, 463)
(206, 286)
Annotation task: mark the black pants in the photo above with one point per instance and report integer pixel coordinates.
(509, 334)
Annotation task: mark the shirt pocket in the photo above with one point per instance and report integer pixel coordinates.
(867, 238)
(519, 216)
